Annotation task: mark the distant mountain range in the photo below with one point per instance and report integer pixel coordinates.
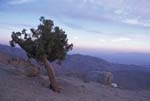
(138, 58)
(127, 76)
(128, 58)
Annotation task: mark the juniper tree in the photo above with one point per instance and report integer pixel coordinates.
(46, 43)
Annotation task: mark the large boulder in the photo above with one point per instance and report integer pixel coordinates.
(107, 78)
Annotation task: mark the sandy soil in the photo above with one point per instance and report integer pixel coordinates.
(16, 87)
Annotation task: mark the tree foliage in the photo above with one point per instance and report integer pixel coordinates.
(47, 40)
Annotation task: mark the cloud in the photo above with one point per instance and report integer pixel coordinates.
(75, 37)
(118, 11)
(91, 10)
(15, 2)
(83, 14)
(102, 40)
(124, 12)
(131, 21)
(121, 39)
(137, 22)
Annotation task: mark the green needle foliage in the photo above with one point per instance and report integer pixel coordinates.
(47, 40)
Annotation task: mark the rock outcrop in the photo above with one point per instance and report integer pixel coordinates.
(107, 78)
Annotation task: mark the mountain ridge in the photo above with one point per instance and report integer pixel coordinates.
(79, 65)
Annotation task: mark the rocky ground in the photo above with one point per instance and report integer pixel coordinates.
(16, 87)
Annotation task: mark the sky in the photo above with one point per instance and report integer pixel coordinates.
(98, 25)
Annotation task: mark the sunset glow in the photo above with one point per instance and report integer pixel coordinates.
(119, 25)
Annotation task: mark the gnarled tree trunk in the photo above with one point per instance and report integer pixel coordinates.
(53, 83)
